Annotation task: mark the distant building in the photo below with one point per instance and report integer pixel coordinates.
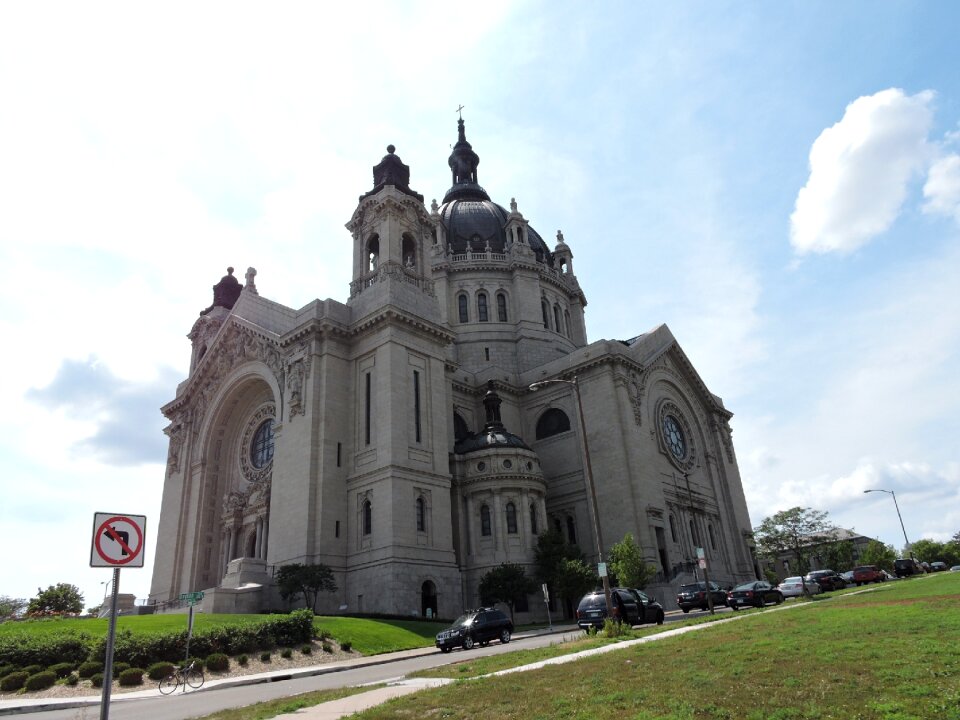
(785, 565)
(394, 437)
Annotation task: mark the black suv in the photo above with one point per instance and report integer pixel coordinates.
(592, 610)
(905, 567)
(694, 595)
(475, 627)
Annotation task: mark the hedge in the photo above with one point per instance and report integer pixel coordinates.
(23, 649)
(13, 681)
(62, 670)
(131, 677)
(158, 671)
(87, 669)
(218, 662)
(97, 679)
(40, 681)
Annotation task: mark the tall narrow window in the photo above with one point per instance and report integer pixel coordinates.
(416, 403)
(462, 308)
(482, 314)
(571, 530)
(366, 410)
(673, 529)
(533, 519)
(485, 521)
(693, 534)
(556, 319)
(511, 518)
(339, 447)
(566, 322)
(546, 314)
(367, 517)
(501, 307)
(713, 540)
(421, 516)
(336, 530)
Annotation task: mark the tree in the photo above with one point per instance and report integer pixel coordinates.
(297, 579)
(837, 555)
(795, 533)
(11, 607)
(507, 584)
(930, 551)
(552, 554)
(876, 553)
(628, 564)
(575, 578)
(59, 599)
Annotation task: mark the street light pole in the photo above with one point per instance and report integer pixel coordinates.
(590, 485)
(894, 495)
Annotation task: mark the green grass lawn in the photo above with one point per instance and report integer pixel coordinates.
(367, 636)
(889, 654)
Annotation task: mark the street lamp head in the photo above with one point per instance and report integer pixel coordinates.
(536, 386)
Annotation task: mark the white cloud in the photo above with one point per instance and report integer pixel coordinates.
(859, 172)
(942, 189)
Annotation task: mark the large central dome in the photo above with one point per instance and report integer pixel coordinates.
(471, 219)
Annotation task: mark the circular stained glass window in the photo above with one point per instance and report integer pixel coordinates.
(507, 464)
(261, 449)
(674, 437)
(481, 466)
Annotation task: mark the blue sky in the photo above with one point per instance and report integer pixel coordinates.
(779, 183)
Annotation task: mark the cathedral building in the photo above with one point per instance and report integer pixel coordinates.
(397, 439)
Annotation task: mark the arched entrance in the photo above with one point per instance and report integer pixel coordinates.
(428, 599)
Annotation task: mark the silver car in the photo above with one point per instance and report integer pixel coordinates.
(793, 587)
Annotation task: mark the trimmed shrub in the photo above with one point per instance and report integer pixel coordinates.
(21, 649)
(119, 667)
(32, 669)
(40, 681)
(286, 653)
(13, 681)
(243, 660)
(346, 646)
(97, 679)
(264, 657)
(71, 680)
(89, 668)
(158, 671)
(218, 662)
(307, 649)
(327, 647)
(6, 669)
(62, 670)
(131, 677)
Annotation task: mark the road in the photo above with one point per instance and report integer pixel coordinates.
(181, 706)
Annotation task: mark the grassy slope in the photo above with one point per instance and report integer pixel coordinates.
(368, 637)
(892, 654)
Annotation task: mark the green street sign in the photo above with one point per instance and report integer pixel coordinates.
(191, 597)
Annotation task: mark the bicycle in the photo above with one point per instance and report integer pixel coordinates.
(187, 675)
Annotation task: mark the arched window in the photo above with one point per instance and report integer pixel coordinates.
(558, 525)
(693, 534)
(546, 314)
(462, 307)
(571, 530)
(673, 529)
(482, 314)
(261, 449)
(713, 540)
(511, 519)
(501, 307)
(553, 422)
(421, 516)
(485, 521)
(566, 322)
(373, 252)
(367, 517)
(556, 319)
(409, 251)
(533, 519)
(460, 429)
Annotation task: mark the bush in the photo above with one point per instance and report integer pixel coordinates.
(97, 679)
(32, 669)
(131, 677)
(218, 662)
(71, 680)
(119, 667)
(286, 653)
(89, 668)
(40, 681)
(327, 647)
(243, 660)
(307, 649)
(62, 670)
(264, 657)
(613, 629)
(346, 646)
(13, 681)
(158, 671)
(6, 669)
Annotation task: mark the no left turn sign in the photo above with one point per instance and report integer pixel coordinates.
(117, 540)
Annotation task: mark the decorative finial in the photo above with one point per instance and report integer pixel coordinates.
(434, 208)
(513, 204)
(229, 271)
(391, 149)
(559, 236)
(251, 285)
(460, 112)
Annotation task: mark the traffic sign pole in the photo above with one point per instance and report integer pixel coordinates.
(108, 661)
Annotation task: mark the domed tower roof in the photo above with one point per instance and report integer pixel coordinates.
(472, 220)
(494, 434)
(225, 293)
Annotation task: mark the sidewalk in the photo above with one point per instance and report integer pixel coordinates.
(28, 705)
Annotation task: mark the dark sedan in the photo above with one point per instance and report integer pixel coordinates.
(755, 594)
(827, 580)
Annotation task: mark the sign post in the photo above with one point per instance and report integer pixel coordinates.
(192, 599)
(546, 601)
(702, 560)
(117, 542)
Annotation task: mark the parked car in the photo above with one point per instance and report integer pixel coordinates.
(938, 566)
(694, 595)
(847, 577)
(476, 627)
(652, 610)
(867, 574)
(955, 568)
(592, 610)
(905, 567)
(757, 594)
(793, 587)
(826, 579)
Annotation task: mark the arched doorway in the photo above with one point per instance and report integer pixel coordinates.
(428, 599)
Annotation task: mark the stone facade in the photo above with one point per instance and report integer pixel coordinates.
(395, 437)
